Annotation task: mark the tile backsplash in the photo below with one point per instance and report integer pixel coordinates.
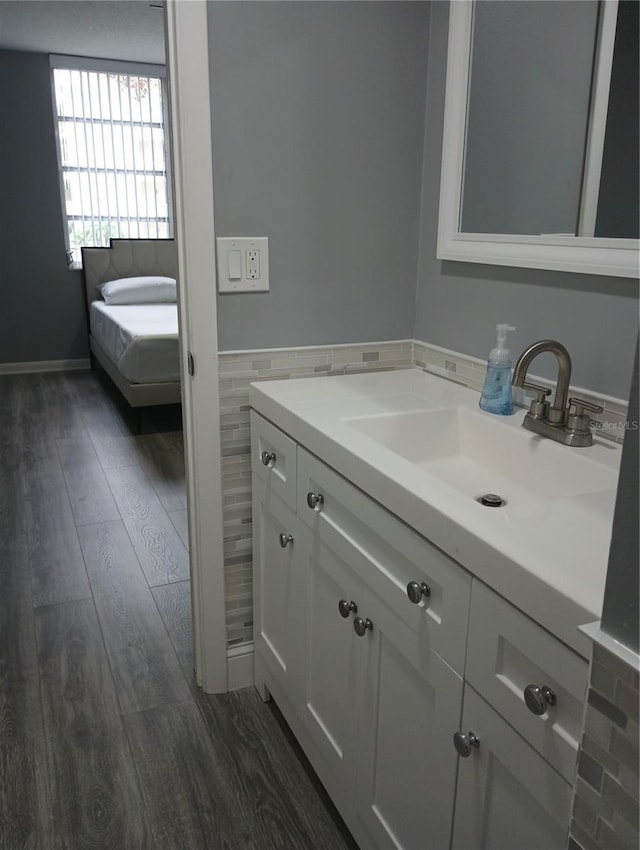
(605, 809)
(237, 369)
(470, 371)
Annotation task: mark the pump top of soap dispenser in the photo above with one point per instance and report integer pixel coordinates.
(501, 354)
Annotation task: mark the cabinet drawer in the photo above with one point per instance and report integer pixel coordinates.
(507, 653)
(387, 555)
(273, 459)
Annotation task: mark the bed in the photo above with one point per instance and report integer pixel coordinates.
(136, 344)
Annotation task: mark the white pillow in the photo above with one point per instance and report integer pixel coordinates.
(139, 290)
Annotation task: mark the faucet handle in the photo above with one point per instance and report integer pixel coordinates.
(538, 409)
(578, 422)
(581, 405)
(542, 391)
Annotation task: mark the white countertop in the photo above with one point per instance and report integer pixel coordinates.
(547, 554)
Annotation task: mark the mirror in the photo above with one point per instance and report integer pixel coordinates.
(540, 148)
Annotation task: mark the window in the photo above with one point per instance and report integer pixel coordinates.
(112, 152)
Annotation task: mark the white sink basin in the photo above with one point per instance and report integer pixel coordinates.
(476, 453)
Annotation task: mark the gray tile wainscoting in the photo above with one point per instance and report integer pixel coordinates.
(611, 424)
(605, 808)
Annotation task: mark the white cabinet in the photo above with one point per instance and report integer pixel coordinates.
(407, 769)
(381, 704)
(378, 706)
(511, 659)
(387, 555)
(332, 658)
(276, 589)
(508, 797)
(372, 639)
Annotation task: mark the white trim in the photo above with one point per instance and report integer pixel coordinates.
(241, 664)
(188, 55)
(594, 631)
(612, 257)
(603, 63)
(112, 66)
(44, 366)
(305, 348)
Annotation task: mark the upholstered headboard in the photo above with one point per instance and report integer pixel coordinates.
(127, 258)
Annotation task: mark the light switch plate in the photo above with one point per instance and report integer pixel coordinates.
(254, 263)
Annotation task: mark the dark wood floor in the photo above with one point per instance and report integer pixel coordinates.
(105, 741)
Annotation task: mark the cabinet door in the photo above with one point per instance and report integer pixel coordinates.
(332, 657)
(275, 587)
(410, 703)
(508, 796)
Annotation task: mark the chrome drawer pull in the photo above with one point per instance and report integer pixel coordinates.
(268, 457)
(416, 591)
(285, 539)
(346, 608)
(538, 699)
(314, 500)
(464, 742)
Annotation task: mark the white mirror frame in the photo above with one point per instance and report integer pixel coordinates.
(612, 257)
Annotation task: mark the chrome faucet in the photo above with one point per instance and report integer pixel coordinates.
(557, 421)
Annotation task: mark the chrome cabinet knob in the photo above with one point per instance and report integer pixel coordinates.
(361, 626)
(268, 457)
(314, 499)
(285, 539)
(538, 699)
(465, 742)
(416, 591)
(346, 608)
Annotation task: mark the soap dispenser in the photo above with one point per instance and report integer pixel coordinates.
(496, 395)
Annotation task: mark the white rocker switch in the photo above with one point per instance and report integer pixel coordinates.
(234, 265)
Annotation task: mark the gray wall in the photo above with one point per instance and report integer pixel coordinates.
(620, 612)
(318, 117)
(41, 303)
(458, 304)
(527, 120)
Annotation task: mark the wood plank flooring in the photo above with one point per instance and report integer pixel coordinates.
(106, 742)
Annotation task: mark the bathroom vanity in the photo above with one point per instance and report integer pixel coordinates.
(424, 645)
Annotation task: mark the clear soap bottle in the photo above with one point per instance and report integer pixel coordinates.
(497, 396)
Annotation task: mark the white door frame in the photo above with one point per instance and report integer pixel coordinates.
(188, 64)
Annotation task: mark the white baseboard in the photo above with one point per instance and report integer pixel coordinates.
(240, 667)
(44, 366)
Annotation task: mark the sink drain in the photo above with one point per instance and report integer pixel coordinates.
(490, 500)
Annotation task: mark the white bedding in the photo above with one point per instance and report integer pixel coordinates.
(140, 339)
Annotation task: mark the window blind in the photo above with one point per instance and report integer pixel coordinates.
(112, 156)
